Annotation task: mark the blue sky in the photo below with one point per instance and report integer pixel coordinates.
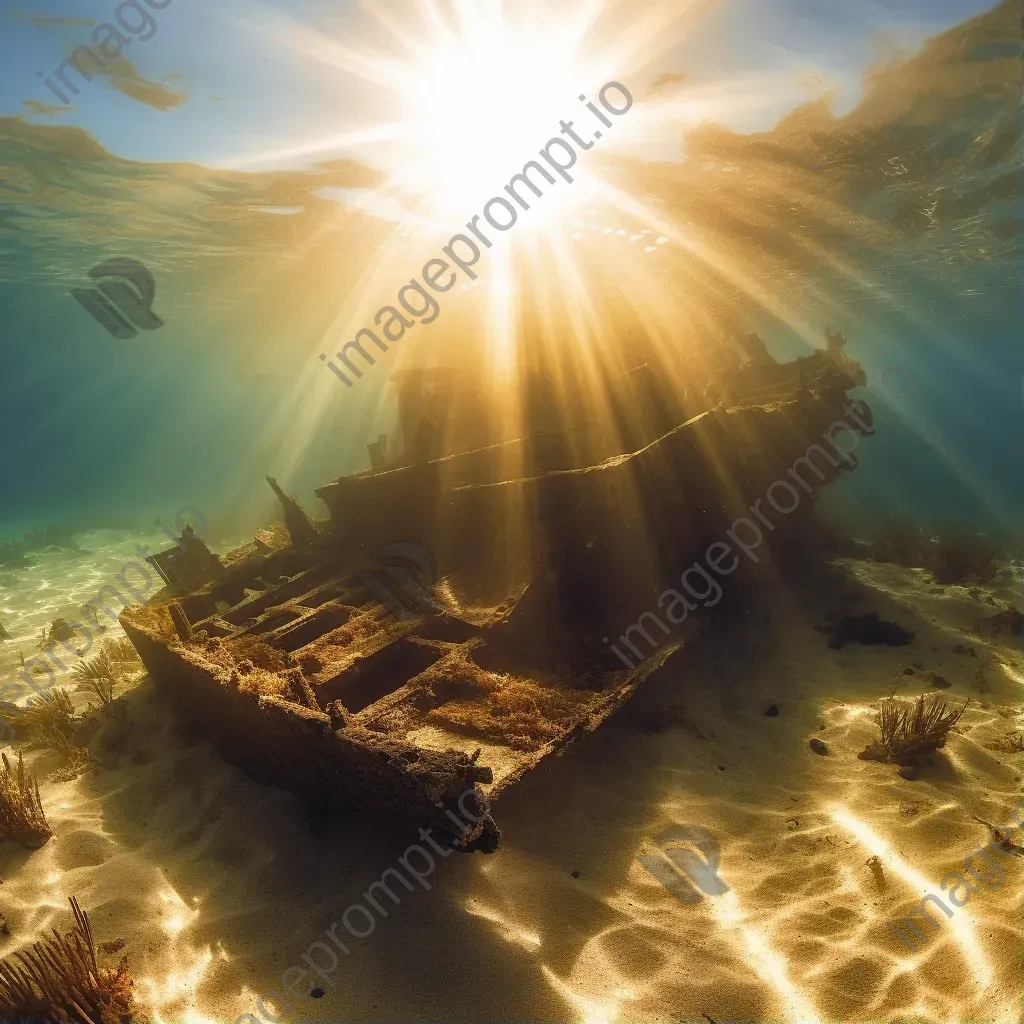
(231, 86)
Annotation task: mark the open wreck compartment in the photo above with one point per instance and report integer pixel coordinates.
(280, 742)
(373, 677)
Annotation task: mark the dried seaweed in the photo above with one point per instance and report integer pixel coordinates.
(21, 810)
(912, 731)
(58, 980)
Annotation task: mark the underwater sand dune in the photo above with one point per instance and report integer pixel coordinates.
(216, 884)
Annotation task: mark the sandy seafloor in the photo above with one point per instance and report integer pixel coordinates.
(217, 884)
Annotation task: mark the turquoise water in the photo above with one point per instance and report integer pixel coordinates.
(898, 222)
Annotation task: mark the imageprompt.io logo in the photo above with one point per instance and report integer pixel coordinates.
(399, 590)
(118, 306)
(688, 863)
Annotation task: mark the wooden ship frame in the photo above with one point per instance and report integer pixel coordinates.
(446, 629)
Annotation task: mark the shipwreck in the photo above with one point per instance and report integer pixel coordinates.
(446, 627)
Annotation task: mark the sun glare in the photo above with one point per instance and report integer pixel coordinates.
(481, 103)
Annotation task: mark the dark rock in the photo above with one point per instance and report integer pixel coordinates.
(866, 629)
(61, 631)
(772, 710)
(939, 681)
(818, 746)
(576, 873)
(908, 671)
(1010, 622)
(4, 635)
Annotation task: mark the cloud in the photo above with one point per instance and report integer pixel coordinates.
(126, 79)
(43, 109)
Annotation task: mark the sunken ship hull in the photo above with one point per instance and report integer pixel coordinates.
(447, 628)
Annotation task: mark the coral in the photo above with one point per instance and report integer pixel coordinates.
(21, 811)
(59, 980)
(911, 732)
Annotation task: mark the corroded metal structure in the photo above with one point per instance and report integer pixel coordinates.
(445, 629)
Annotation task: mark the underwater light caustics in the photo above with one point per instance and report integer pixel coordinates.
(961, 924)
(768, 963)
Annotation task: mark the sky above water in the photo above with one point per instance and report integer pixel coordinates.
(245, 84)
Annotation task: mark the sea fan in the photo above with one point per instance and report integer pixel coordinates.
(50, 712)
(911, 732)
(21, 811)
(122, 651)
(98, 676)
(59, 980)
(48, 722)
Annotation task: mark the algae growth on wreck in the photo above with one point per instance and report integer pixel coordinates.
(583, 440)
